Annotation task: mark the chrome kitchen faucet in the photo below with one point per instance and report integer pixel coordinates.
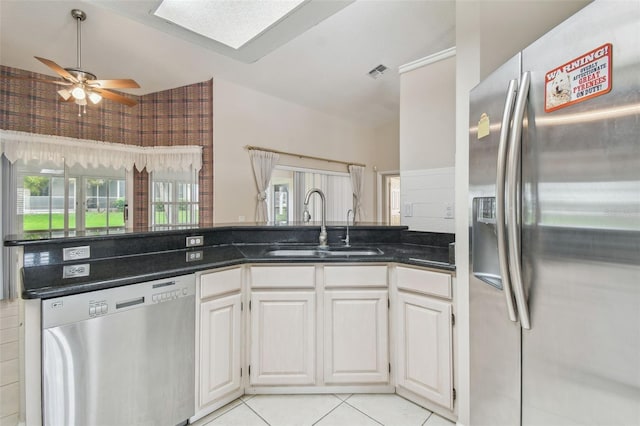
(346, 239)
(307, 216)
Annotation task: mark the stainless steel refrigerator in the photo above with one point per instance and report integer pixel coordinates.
(555, 228)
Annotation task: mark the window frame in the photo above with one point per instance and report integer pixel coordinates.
(174, 204)
(297, 194)
(73, 203)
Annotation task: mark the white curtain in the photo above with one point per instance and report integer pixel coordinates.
(30, 147)
(357, 184)
(263, 163)
(8, 180)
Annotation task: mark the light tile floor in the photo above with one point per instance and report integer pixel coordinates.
(323, 410)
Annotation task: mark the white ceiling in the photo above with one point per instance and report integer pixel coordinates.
(325, 68)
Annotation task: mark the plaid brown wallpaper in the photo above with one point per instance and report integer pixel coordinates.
(141, 199)
(181, 116)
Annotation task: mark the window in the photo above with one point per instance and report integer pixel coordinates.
(174, 199)
(280, 196)
(62, 200)
(41, 201)
(289, 186)
(104, 200)
(281, 203)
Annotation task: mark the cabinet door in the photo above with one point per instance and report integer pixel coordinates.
(425, 348)
(283, 338)
(356, 337)
(220, 356)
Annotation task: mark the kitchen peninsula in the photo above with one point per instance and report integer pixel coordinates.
(127, 257)
(267, 310)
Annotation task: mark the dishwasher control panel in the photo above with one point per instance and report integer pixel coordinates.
(165, 296)
(104, 303)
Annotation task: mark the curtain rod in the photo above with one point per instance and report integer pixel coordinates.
(310, 157)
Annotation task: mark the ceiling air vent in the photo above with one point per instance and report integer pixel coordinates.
(377, 71)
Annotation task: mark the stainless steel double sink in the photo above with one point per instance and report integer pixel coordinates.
(317, 251)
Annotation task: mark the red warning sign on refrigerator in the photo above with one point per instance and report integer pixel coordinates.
(578, 80)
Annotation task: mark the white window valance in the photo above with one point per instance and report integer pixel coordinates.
(45, 149)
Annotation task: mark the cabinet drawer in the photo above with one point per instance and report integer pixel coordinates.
(426, 282)
(220, 282)
(355, 276)
(283, 276)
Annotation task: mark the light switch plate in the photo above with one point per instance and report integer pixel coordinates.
(408, 210)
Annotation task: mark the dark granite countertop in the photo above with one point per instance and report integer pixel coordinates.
(150, 256)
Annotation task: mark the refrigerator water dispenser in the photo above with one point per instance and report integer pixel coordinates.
(484, 242)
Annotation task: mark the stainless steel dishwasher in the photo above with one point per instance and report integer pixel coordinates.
(121, 356)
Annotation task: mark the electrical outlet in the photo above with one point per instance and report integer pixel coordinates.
(74, 271)
(448, 210)
(195, 241)
(76, 253)
(193, 256)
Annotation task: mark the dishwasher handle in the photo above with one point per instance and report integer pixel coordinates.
(129, 303)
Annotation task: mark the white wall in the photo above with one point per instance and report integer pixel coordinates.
(243, 116)
(427, 146)
(387, 139)
(487, 34)
(427, 199)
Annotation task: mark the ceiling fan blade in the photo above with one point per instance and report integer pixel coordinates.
(58, 69)
(122, 83)
(114, 97)
(39, 80)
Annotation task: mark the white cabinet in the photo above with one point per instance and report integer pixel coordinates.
(220, 338)
(283, 349)
(355, 326)
(424, 335)
(424, 347)
(356, 337)
(339, 339)
(219, 346)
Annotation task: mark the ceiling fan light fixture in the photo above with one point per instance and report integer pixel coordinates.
(78, 92)
(94, 97)
(83, 86)
(64, 94)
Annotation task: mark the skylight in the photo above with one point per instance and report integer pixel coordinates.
(230, 22)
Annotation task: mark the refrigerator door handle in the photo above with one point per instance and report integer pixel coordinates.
(513, 223)
(512, 91)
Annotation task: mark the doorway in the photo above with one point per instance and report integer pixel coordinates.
(389, 197)
(392, 200)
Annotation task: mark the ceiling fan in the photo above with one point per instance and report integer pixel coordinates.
(81, 85)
